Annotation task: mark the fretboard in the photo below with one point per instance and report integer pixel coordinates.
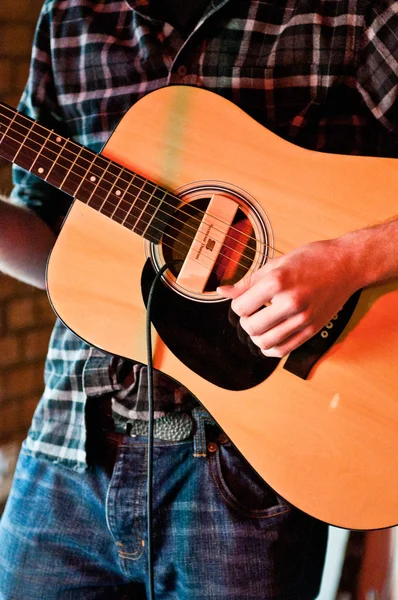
(118, 193)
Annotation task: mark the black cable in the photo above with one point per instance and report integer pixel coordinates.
(156, 280)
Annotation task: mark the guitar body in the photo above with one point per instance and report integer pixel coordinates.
(326, 441)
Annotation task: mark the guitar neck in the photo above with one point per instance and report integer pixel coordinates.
(105, 186)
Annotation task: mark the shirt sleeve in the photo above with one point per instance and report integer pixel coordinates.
(39, 102)
(377, 78)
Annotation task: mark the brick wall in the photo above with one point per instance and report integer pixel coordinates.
(25, 315)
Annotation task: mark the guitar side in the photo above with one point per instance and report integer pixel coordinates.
(327, 443)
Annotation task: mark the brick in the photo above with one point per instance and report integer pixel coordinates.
(3, 395)
(44, 312)
(8, 419)
(4, 163)
(16, 39)
(8, 458)
(35, 344)
(16, 417)
(5, 180)
(3, 327)
(16, 437)
(11, 10)
(5, 76)
(23, 381)
(35, 7)
(21, 76)
(11, 99)
(10, 351)
(26, 411)
(21, 314)
(8, 287)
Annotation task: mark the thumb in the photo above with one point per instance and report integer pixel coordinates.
(235, 290)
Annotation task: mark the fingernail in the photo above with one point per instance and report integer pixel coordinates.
(222, 289)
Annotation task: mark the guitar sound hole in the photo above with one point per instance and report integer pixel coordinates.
(235, 257)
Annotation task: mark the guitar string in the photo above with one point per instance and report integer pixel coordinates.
(136, 176)
(119, 208)
(240, 263)
(244, 255)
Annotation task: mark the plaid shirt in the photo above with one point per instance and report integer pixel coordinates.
(320, 74)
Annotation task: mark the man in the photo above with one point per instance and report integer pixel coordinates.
(322, 75)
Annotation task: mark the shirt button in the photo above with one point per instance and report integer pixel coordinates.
(223, 439)
(182, 70)
(212, 447)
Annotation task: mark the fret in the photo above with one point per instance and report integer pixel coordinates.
(8, 128)
(123, 204)
(88, 172)
(119, 186)
(34, 156)
(100, 177)
(64, 174)
(9, 148)
(137, 208)
(22, 144)
(134, 211)
(18, 144)
(161, 217)
(10, 145)
(31, 155)
(57, 174)
(53, 173)
(159, 207)
(6, 113)
(123, 208)
(69, 181)
(147, 195)
(121, 195)
(86, 164)
(96, 199)
(115, 194)
(128, 199)
(41, 164)
(77, 180)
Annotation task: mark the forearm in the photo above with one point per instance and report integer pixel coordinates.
(373, 252)
(25, 243)
(290, 298)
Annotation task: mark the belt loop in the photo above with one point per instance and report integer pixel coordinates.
(201, 418)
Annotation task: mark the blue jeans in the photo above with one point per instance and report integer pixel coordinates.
(220, 533)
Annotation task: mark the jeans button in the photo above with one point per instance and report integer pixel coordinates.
(212, 447)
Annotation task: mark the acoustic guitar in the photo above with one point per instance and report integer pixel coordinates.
(189, 180)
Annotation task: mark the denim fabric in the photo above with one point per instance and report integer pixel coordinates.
(220, 533)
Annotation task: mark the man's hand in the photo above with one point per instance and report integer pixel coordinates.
(291, 298)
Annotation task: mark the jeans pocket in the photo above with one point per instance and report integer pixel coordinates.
(241, 487)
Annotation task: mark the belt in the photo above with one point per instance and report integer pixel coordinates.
(174, 427)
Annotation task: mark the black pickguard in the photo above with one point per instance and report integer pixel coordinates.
(205, 337)
(301, 360)
(208, 339)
